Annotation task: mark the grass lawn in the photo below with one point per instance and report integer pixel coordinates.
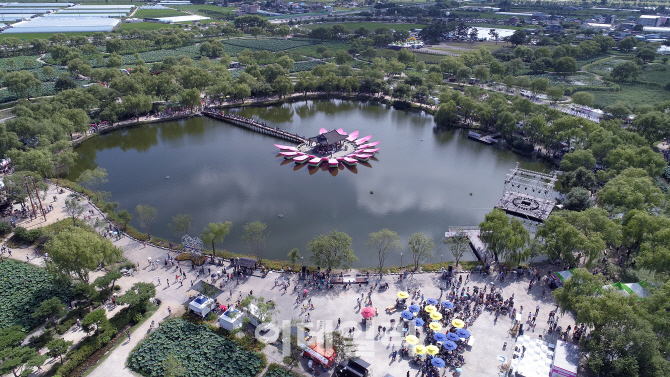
(429, 58)
(368, 25)
(146, 26)
(632, 95)
(194, 8)
(155, 13)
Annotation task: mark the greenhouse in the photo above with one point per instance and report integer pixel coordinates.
(26, 10)
(36, 5)
(14, 17)
(92, 11)
(90, 15)
(108, 7)
(64, 25)
(193, 17)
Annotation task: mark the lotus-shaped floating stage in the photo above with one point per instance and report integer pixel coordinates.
(331, 150)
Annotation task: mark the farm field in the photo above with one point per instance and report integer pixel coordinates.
(632, 95)
(305, 66)
(655, 73)
(200, 351)
(31, 36)
(155, 13)
(458, 47)
(272, 45)
(368, 25)
(22, 288)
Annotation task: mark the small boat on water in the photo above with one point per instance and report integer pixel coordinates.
(286, 147)
(363, 140)
(350, 161)
(322, 131)
(302, 159)
(352, 136)
(333, 162)
(373, 144)
(363, 157)
(316, 161)
(370, 151)
(290, 155)
(341, 132)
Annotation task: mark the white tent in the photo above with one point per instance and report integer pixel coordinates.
(202, 305)
(231, 319)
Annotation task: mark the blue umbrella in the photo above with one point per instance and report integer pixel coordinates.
(431, 301)
(407, 315)
(463, 333)
(453, 337)
(449, 345)
(437, 362)
(447, 304)
(440, 337)
(414, 308)
(418, 322)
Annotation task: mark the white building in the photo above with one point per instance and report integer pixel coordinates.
(648, 20)
(231, 319)
(201, 305)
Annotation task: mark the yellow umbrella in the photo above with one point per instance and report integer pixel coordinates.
(458, 323)
(435, 326)
(430, 308)
(420, 350)
(432, 350)
(411, 339)
(403, 294)
(435, 316)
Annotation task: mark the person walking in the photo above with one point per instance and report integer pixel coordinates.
(128, 333)
(159, 280)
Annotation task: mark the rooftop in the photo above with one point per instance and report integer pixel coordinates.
(330, 137)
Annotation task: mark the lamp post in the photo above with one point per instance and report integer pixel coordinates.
(440, 258)
(400, 260)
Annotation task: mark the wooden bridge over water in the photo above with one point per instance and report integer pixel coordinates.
(252, 125)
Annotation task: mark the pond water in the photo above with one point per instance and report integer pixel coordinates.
(421, 181)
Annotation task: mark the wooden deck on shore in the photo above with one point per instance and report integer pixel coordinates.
(486, 139)
(255, 126)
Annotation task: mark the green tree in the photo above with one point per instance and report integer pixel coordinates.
(506, 239)
(578, 199)
(577, 290)
(11, 337)
(115, 61)
(180, 224)
(458, 245)
(627, 44)
(20, 360)
(422, 247)
(22, 84)
(579, 158)
(283, 86)
(565, 65)
(58, 347)
(482, 73)
(561, 240)
(93, 180)
(138, 296)
(264, 309)
(382, 244)
(625, 70)
(331, 250)
(255, 237)
(555, 93)
(631, 189)
(50, 309)
(77, 251)
(215, 232)
(125, 217)
(583, 98)
(518, 38)
(293, 256)
(447, 114)
(147, 215)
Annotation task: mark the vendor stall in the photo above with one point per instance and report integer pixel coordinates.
(201, 305)
(566, 357)
(320, 355)
(231, 319)
(561, 277)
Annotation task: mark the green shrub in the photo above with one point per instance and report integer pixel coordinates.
(24, 235)
(211, 316)
(5, 228)
(137, 318)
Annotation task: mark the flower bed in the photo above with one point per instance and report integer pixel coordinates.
(201, 352)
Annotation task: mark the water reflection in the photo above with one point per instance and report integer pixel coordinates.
(221, 172)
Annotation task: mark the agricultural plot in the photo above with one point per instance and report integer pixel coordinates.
(273, 45)
(200, 351)
(311, 49)
(604, 67)
(22, 288)
(155, 13)
(160, 55)
(578, 79)
(20, 62)
(306, 65)
(631, 94)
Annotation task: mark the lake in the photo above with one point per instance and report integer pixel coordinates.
(422, 181)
